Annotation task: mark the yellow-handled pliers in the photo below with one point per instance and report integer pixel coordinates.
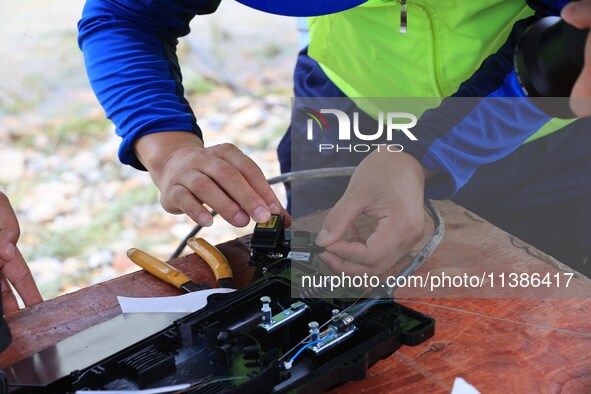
(209, 253)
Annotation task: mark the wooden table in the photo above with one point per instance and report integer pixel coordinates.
(514, 340)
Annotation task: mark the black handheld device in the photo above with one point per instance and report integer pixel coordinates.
(548, 60)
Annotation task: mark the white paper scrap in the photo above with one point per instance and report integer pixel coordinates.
(463, 387)
(189, 302)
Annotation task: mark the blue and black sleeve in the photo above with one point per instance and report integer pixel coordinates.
(478, 125)
(129, 50)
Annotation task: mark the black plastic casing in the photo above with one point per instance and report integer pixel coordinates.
(548, 60)
(224, 340)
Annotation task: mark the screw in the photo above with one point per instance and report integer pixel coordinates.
(335, 313)
(314, 331)
(266, 310)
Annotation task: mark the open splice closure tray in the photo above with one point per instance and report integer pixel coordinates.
(221, 348)
(260, 339)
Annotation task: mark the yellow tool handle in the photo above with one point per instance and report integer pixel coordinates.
(158, 268)
(212, 256)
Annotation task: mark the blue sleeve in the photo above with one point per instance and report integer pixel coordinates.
(547, 7)
(129, 49)
(484, 121)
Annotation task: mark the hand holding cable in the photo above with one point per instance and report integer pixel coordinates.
(394, 200)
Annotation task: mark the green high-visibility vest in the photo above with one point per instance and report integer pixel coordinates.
(365, 54)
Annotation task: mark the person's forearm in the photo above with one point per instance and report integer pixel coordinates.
(129, 53)
(154, 150)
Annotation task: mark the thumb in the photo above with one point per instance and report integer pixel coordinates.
(7, 251)
(577, 14)
(340, 217)
(580, 101)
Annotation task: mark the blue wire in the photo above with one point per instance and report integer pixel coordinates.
(311, 344)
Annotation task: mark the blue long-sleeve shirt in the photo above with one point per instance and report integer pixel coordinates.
(129, 51)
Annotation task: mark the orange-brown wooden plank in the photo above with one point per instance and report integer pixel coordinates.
(486, 342)
(42, 325)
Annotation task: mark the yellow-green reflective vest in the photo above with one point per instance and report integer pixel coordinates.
(364, 53)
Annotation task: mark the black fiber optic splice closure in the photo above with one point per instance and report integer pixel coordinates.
(225, 340)
(247, 341)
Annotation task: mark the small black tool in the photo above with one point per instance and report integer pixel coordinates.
(548, 60)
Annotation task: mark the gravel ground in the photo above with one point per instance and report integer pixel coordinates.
(78, 207)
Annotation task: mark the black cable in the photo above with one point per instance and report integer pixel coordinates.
(431, 244)
(414, 264)
(191, 234)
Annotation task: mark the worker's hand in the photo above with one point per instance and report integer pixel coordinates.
(578, 14)
(12, 265)
(190, 175)
(389, 188)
